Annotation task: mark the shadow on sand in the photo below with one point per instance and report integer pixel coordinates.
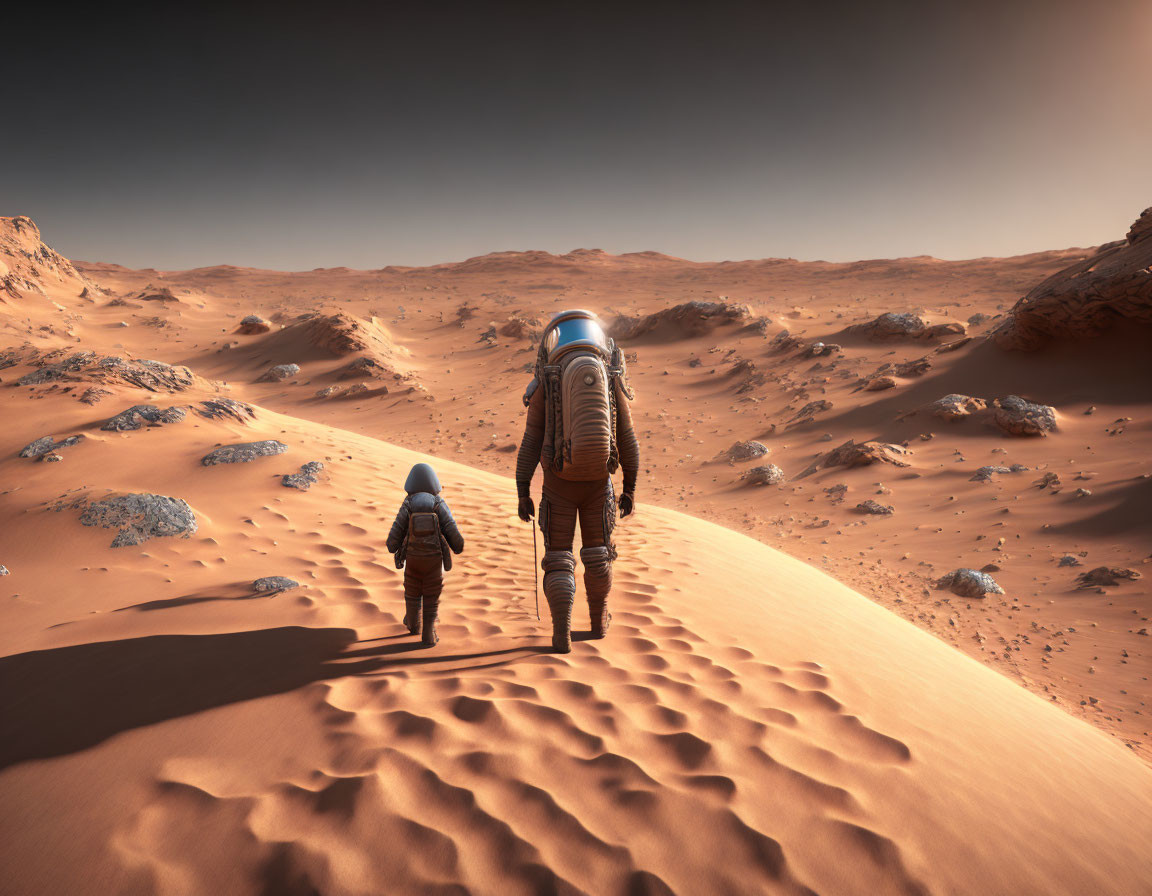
(66, 699)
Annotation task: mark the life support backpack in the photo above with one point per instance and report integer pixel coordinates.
(424, 538)
(581, 393)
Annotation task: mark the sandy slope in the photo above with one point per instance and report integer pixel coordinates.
(165, 732)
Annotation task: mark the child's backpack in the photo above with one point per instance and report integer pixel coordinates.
(425, 539)
(581, 388)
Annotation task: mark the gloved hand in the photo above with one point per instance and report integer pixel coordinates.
(627, 504)
(527, 509)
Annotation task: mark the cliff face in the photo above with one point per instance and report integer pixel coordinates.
(28, 265)
(1084, 300)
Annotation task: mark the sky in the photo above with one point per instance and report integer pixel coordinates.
(293, 137)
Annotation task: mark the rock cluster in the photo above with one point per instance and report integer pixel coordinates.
(139, 517)
(1018, 417)
(904, 325)
(243, 453)
(969, 583)
(139, 415)
(1084, 300)
(985, 474)
(530, 328)
(306, 478)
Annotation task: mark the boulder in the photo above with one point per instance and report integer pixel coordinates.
(683, 321)
(1108, 289)
(954, 407)
(139, 415)
(243, 452)
(749, 450)
(46, 445)
(880, 383)
(306, 478)
(155, 376)
(1019, 417)
(985, 474)
(139, 517)
(769, 474)
(969, 583)
(274, 584)
(874, 507)
(530, 328)
(1070, 560)
(279, 373)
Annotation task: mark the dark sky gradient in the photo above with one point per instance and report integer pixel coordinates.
(292, 137)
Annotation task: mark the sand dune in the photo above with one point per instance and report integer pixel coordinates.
(168, 731)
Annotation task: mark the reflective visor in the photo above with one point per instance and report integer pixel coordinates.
(575, 332)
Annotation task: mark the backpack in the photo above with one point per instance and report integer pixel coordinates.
(424, 538)
(580, 396)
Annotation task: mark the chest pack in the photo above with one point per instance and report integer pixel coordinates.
(581, 392)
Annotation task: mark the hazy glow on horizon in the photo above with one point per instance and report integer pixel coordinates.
(740, 130)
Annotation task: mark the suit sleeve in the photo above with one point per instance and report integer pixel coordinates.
(626, 443)
(529, 456)
(399, 529)
(448, 527)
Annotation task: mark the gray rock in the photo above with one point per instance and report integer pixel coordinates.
(47, 445)
(4, 571)
(969, 583)
(274, 584)
(874, 507)
(1018, 417)
(137, 416)
(155, 376)
(253, 324)
(1069, 560)
(749, 450)
(985, 474)
(140, 517)
(306, 478)
(226, 409)
(769, 474)
(280, 372)
(243, 452)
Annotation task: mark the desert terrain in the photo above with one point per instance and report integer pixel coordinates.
(789, 701)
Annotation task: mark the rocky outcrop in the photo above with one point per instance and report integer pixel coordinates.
(530, 328)
(27, 265)
(904, 325)
(681, 321)
(225, 409)
(155, 376)
(1107, 576)
(139, 517)
(1018, 417)
(768, 474)
(969, 583)
(1084, 300)
(274, 584)
(308, 476)
(985, 474)
(875, 508)
(143, 414)
(243, 453)
(279, 373)
(46, 445)
(954, 407)
(853, 454)
(808, 413)
(253, 325)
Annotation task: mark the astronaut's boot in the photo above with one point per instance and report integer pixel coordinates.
(597, 583)
(560, 592)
